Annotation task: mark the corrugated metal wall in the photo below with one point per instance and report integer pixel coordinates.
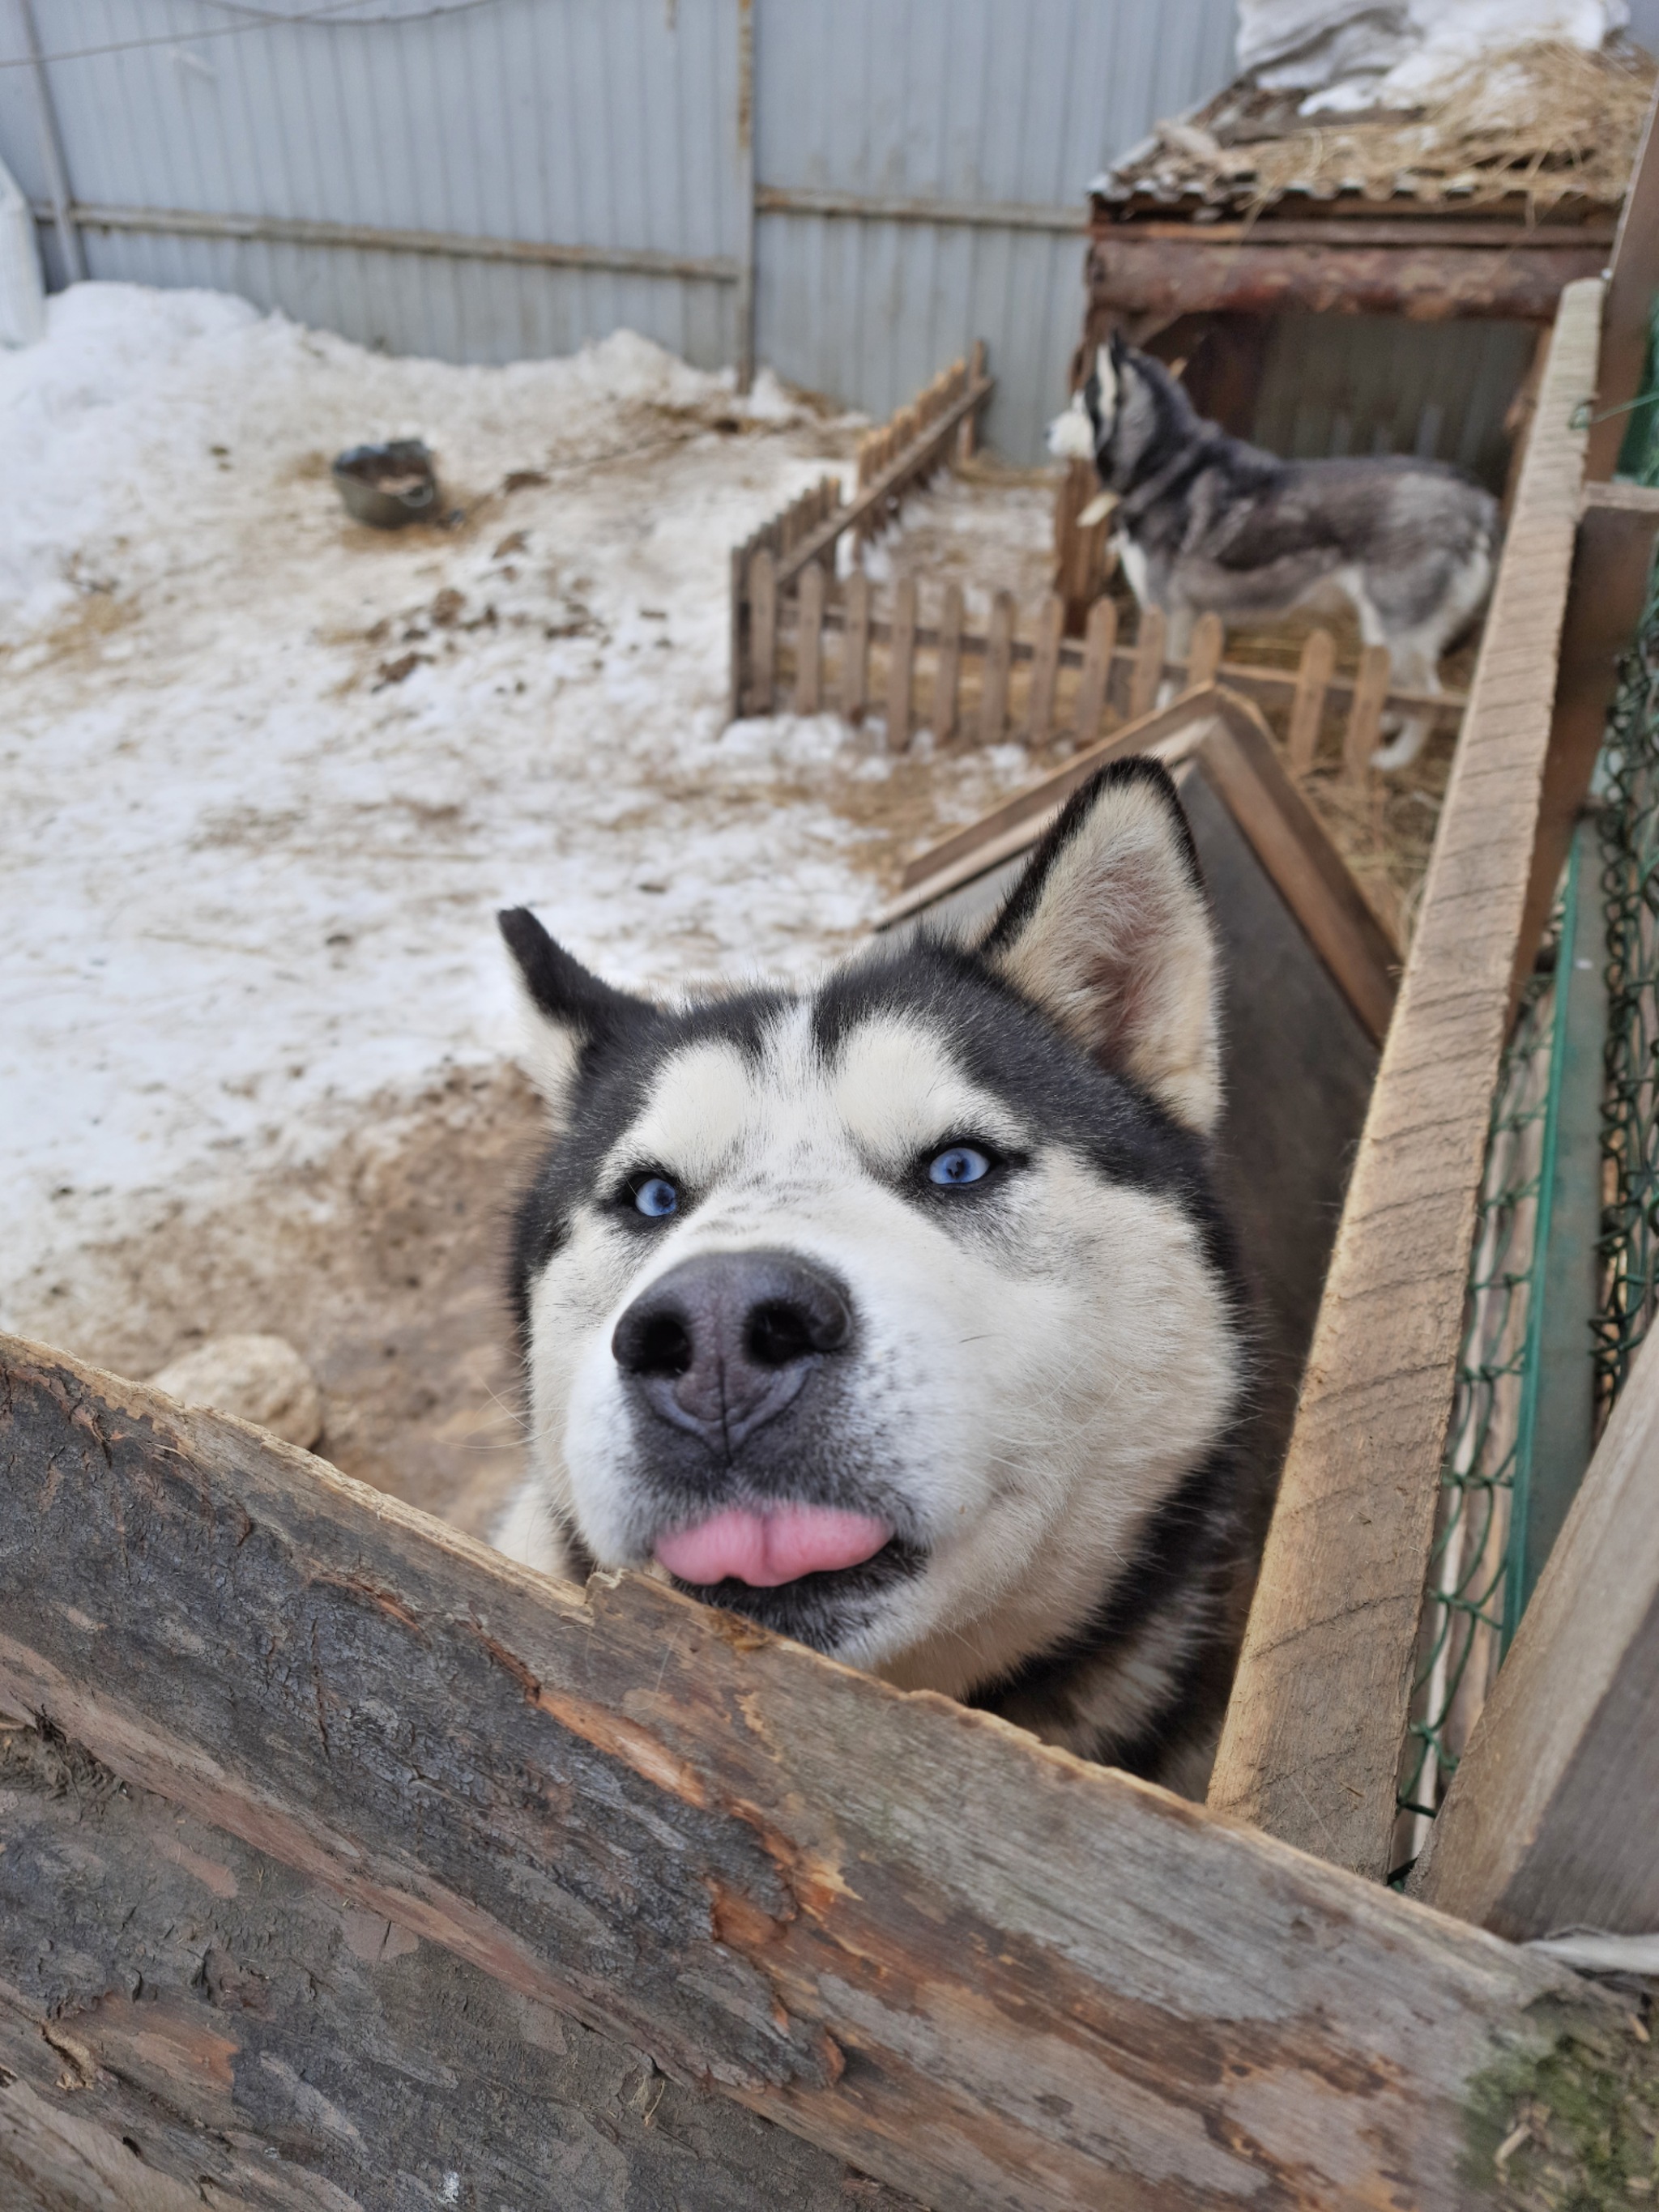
(613, 124)
(1006, 102)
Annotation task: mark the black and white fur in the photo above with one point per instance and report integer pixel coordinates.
(1036, 1380)
(1204, 521)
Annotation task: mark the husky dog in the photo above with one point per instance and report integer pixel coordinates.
(898, 1313)
(1205, 521)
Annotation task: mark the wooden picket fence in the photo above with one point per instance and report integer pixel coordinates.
(893, 461)
(854, 648)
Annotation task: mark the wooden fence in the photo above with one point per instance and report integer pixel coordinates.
(805, 639)
(853, 647)
(893, 461)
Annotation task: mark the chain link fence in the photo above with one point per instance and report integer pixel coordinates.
(1464, 1627)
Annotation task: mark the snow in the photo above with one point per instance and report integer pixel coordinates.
(252, 849)
(1351, 56)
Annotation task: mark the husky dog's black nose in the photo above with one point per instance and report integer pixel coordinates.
(721, 1344)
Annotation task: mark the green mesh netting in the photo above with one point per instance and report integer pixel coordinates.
(1461, 1638)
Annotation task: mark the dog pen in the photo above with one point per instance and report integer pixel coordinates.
(515, 1893)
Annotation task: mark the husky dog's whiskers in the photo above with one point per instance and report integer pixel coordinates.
(1204, 522)
(899, 1314)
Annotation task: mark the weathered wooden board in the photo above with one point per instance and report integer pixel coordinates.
(1311, 1745)
(968, 1963)
(230, 2009)
(1551, 1820)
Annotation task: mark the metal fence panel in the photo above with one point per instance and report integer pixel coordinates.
(613, 124)
(584, 123)
(973, 103)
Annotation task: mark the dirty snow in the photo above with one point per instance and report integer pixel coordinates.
(265, 774)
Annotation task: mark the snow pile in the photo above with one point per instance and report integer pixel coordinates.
(1350, 54)
(265, 774)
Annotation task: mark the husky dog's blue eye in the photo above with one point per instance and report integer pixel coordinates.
(656, 1196)
(956, 1165)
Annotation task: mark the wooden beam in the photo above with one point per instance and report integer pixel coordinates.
(975, 1967)
(1551, 1820)
(1160, 279)
(1610, 567)
(1310, 1749)
(374, 2063)
(1633, 283)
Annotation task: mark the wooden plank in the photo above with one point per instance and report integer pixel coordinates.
(984, 1971)
(1313, 678)
(1633, 283)
(1309, 874)
(738, 640)
(1099, 642)
(947, 669)
(994, 678)
(901, 664)
(968, 428)
(1044, 796)
(898, 466)
(855, 646)
(763, 631)
(1146, 674)
(1312, 1740)
(1551, 1819)
(1364, 730)
(1045, 670)
(809, 641)
(269, 2005)
(1204, 655)
(1611, 561)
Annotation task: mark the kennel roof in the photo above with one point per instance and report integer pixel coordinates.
(1543, 130)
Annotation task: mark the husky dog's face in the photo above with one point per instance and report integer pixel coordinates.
(888, 1313)
(1113, 416)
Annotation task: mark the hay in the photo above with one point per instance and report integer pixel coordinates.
(1543, 123)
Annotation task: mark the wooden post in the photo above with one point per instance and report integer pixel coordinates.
(1204, 656)
(968, 430)
(764, 631)
(987, 1974)
(1311, 1745)
(1635, 281)
(999, 659)
(855, 646)
(947, 672)
(1370, 691)
(1146, 677)
(1095, 682)
(1045, 669)
(1313, 674)
(809, 640)
(1551, 1820)
(901, 664)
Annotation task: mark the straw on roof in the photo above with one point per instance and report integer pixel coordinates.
(1540, 125)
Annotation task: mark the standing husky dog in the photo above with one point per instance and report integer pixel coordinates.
(1205, 521)
(899, 1314)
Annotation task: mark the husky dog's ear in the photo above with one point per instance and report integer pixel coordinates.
(1072, 434)
(567, 1011)
(1109, 931)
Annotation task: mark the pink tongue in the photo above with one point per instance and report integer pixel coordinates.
(764, 1549)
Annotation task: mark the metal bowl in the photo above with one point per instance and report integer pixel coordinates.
(387, 486)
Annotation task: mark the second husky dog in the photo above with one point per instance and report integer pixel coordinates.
(1205, 522)
(899, 1314)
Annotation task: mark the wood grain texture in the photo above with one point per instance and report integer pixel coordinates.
(231, 2008)
(901, 664)
(1631, 292)
(1146, 673)
(1551, 1820)
(1313, 678)
(809, 641)
(995, 669)
(1311, 1744)
(947, 669)
(969, 1963)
